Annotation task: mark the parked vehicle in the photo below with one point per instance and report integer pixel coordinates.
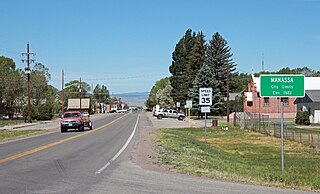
(74, 120)
(164, 113)
(86, 120)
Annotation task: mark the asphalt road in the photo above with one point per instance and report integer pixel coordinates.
(98, 161)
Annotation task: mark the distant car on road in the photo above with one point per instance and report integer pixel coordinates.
(85, 114)
(112, 111)
(86, 120)
(164, 113)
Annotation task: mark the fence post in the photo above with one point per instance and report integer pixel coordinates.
(319, 139)
(292, 133)
(268, 126)
(309, 137)
(300, 136)
(274, 130)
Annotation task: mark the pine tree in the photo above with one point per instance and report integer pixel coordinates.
(178, 68)
(196, 58)
(205, 78)
(219, 59)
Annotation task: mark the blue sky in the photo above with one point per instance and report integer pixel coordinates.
(127, 45)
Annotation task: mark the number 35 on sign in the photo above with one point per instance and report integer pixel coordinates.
(205, 96)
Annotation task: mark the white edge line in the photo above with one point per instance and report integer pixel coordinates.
(121, 150)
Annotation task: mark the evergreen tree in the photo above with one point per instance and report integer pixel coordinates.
(178, 68)
(196, 58)
(219, 59)
(205, 78)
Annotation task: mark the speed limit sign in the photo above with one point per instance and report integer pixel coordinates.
(205, 96)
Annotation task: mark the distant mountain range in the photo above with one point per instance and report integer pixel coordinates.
(133, 98)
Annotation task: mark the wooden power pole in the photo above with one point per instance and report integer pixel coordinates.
(62, 95)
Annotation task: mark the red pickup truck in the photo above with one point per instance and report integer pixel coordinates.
(71, 120)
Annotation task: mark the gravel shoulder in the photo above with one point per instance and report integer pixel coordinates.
(145, 153)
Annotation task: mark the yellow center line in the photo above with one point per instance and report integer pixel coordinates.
(14, 157)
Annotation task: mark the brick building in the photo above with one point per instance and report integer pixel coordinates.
(255, 104)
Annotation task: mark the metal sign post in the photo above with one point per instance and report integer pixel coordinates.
(282, 139)
(282, 86)
(189, 106)
(205, 110)
(205, 101)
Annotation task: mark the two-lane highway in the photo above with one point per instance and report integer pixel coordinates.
(100, 161)
(64, 162)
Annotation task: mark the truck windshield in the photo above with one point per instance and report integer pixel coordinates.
(71, 115)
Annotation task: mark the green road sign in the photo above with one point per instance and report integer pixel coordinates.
(282, 85)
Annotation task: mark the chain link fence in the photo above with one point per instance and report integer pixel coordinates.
(261, 123)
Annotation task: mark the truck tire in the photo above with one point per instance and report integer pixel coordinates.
(63, 130)
(81, 128)
(180, 118)
(159, 117)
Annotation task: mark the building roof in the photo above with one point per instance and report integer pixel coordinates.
(310, 83)
(75, 103)
(310, 97)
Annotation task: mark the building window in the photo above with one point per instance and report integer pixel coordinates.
(265, 101)
(285, 101)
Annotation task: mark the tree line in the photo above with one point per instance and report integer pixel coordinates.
(196, 64)
(45, 99)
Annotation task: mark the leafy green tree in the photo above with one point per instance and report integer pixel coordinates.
(10, 88)
(242, 81)
(164, 97)
(101, 94)
(179, 79)
(206, 79)
(219, 59)
(44, 97)
(39, 79)
(159, 85)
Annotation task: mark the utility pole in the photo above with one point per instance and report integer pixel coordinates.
(228, 103)
(62, 109)
(80, 94)
(28, 72)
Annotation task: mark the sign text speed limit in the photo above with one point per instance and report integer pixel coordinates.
(205, 96)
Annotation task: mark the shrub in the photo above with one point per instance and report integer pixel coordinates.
(302, 118)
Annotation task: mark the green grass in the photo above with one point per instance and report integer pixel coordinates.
(6, 135)
(238, 155)
(10, 122)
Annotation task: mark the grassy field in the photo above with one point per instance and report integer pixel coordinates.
(238, 155)
(6, 135)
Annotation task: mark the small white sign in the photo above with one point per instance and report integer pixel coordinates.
(205, 96)
(189, 103)
(205, 109)
(178, 104)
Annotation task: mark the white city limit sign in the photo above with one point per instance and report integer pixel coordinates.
(205, 96)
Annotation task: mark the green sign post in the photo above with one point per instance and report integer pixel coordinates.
(282, 86)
